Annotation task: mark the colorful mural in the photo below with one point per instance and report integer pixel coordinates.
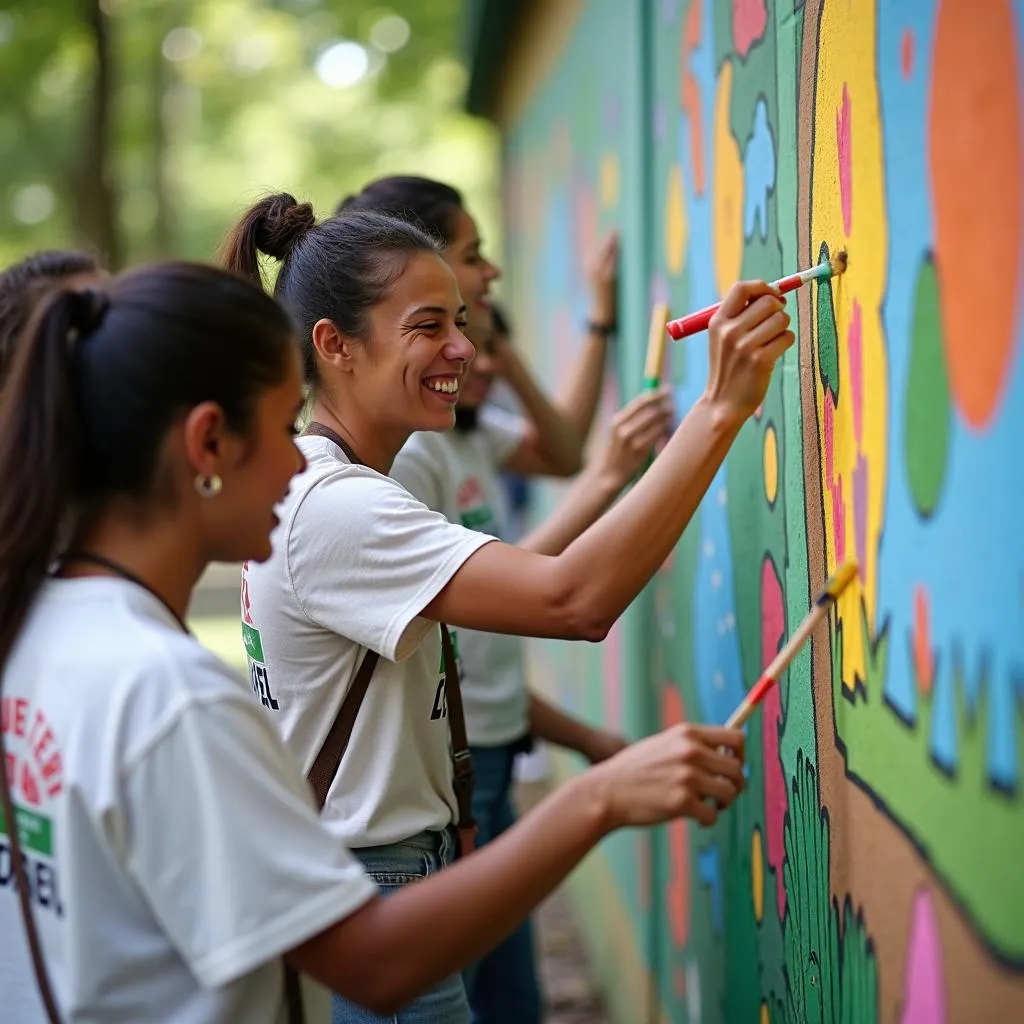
(870, 873)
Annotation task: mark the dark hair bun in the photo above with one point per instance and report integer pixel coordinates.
(88, 308)
(284, 222)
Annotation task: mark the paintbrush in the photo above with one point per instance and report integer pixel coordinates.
(656, 343)
(655, 361)
(837, 583)
(694, 323)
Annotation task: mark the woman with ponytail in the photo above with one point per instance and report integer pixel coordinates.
(342, 622)
(161, 857)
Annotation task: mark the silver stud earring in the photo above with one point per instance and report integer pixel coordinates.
(208, 486)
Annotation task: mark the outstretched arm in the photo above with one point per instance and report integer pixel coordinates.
(550, 723)
(581, 592)
(634, 431)
(377, 956)
(557, 431)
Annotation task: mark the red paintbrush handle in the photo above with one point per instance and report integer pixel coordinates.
(694, 323)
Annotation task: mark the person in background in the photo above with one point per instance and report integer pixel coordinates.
(551, 435)
(23, 284)
(364, 574)
(457, 473)
(169, 857)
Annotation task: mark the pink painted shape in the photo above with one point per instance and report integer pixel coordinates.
(924, 993)
(843, 144)
(611, 665)
(773, 627)
(855, 339)
(860, 508)
(834, 484)
(677, 889)
(749, 19)
(907, 53)
(839, 520)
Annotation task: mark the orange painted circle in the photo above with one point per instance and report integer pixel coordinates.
(975, 158)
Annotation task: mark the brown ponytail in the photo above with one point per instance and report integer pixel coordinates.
(273, 226)
(336, 270)
(39, 449)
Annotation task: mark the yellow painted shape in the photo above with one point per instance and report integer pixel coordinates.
(847, 49)
(764, 1018)
(727, 188)
(610, 180)
(771, 464)
(677, 229)
(757, 874)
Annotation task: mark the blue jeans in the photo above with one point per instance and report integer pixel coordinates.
(392, 867)
(503, 986)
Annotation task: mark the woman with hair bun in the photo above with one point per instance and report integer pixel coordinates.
(342, 622)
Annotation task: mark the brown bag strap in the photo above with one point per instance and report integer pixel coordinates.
(463, 775)
(325, 766)
(321, 775)
(321, 430)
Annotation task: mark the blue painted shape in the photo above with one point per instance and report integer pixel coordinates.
(709, 869)
(1005, 719)
(944, 738)
(758, 174)
(968, 555)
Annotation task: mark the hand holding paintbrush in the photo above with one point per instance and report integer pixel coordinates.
(837, 583)
(694, 323)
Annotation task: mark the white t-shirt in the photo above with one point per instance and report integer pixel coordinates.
(456, 474)
(172, 846)
(356, 560)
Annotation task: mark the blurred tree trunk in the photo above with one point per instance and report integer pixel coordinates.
(163, 237)
(96, 193)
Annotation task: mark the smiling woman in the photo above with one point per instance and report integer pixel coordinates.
(362, 573)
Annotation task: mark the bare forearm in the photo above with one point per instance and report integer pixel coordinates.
(470, 907)
(553, 725)
(585, 501)
(608, 565)
(581, 592)
(581, 397)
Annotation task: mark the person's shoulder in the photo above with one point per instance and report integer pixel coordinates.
(424, 448)
(333, 486)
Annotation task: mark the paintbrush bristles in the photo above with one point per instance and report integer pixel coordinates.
(839, 263)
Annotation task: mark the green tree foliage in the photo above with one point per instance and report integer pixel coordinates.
(212, 104)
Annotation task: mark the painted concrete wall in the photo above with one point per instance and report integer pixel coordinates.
(874, 871)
